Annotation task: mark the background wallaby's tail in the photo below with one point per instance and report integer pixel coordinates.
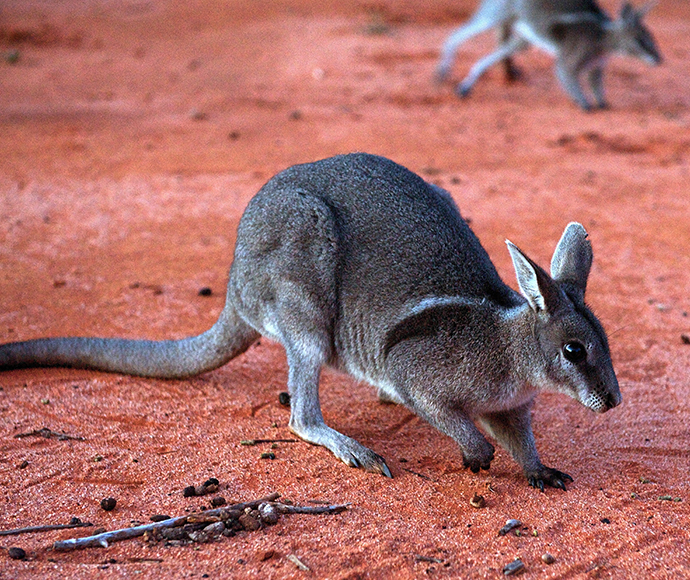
(170, 359)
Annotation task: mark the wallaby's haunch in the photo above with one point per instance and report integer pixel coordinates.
(357, 263)
(578, 33)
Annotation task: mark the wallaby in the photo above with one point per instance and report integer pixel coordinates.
(357, 263)
(578, 33)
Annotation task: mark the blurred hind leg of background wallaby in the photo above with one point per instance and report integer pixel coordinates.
(596, 82)
(514, 44)
(482, 21)
(568, 76)
(504, 32)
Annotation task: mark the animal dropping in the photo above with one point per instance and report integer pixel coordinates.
(357, 263)
(577, 33)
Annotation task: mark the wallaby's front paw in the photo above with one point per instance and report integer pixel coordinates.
(547, 476)
(479, 459)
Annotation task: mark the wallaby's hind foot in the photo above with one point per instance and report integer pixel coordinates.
(345, 448)
(543, 475)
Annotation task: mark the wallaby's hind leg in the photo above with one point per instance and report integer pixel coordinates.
(596, 82)
(306, 419)
(504, 33)
(283, 282)
(480, 22)
(513, 430)
(515, 44)
(568, 76)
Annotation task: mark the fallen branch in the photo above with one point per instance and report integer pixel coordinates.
(48, 434)
(211, 517)
(103, 539)
(49, 528)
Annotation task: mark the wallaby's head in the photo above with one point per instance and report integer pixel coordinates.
(634, 38)
(576, 358)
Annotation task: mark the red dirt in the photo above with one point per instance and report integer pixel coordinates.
(132, 136)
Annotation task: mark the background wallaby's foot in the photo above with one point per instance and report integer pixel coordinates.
(547, 476)
(344, 448)
(463, 90)
(511, 72)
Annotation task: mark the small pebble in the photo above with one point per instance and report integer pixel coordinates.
(510, 525)
(515, 567)
(269, 514)
(548, 559)
(477, 501)
(189, 491)
(159, 518)
(205, 291)
(12, 56)
(16, 553)
(218, 501)
(108, 504)
(685, 338)
(23, 465)
(268, 455)
(284, 399)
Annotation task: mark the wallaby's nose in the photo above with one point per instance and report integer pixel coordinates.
(614, 399)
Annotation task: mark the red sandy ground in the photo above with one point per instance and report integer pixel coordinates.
(132, 135)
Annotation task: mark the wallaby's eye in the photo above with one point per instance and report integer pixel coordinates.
(574, 351)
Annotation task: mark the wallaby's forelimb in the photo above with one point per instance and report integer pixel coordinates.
(169, 359)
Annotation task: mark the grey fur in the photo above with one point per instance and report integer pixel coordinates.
(357, 263)
(578, 33)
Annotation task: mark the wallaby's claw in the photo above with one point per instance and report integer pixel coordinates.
(548, 476)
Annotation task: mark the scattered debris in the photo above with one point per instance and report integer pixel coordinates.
(268, 455)
(74, 523)
(515, 567)
(108, 504)
(510, 525)
(297, 562)
(669, 498)
(420, 558)
(48, 434)
(477, 501)
(209, 486)
(644, 479)
(12, 56)
(204, 526)
(548, 559)
(16, 553)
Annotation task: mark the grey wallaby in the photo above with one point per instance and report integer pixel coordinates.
(578, 33)
(357, 263)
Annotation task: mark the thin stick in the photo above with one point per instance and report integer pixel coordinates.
(49, 528)
(103, 539)
(48, 434)
(321, 509)
(250, 442)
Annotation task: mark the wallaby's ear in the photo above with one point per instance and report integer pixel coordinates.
(541, 292)
(628, 13)
(643, 10)
(572, 258)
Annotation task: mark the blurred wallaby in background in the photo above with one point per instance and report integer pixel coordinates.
(578, 33)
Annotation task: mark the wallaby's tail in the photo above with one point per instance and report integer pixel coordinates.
(169, 359)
